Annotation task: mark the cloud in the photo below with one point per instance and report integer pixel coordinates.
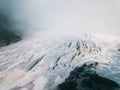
(65, 15)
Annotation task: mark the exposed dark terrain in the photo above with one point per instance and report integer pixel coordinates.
(7, 36)
(86, 78)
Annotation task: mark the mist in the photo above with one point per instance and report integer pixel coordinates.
(65, 16)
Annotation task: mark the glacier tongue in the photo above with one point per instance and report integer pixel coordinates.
(42, 63)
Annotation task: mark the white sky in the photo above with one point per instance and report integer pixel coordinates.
(100, 16)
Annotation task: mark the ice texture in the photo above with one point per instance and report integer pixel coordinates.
(43, 63)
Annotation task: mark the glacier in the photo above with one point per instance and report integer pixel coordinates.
(44, 62)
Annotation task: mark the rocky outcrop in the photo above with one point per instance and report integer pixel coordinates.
(6, 35)
(86, 78)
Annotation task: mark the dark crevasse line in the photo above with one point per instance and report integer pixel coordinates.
(77, 45)
(34, 63)
(58, 59)
(86, 78)
(69, 45)
(56, 63)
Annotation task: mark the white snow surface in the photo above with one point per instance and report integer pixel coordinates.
(42, 62)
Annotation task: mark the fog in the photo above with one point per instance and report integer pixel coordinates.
(66, 16)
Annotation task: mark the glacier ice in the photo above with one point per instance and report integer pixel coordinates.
(43, 63)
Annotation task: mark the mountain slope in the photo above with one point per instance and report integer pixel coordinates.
(7, 36)
(44, 63)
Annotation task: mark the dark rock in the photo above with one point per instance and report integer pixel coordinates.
(118, 49)
(70, 85)
(86, 78)
(6, 35)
